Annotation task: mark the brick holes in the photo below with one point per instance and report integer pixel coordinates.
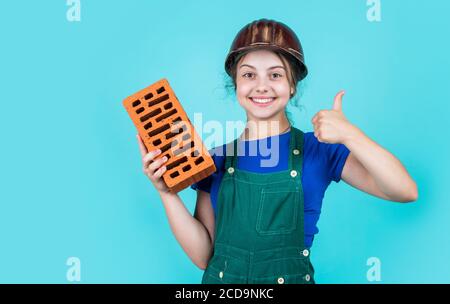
(163, 124)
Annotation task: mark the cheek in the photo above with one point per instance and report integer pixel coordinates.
(283, 89)
(243, 90)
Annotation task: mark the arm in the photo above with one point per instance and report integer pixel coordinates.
(193, 233)
(374, 170)
(369, 167)
(193, 236)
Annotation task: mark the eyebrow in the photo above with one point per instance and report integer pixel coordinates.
(271, 68)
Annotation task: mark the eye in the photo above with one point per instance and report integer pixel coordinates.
(273, 74)
(248, 73)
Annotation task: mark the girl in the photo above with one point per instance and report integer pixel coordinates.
(255, 223)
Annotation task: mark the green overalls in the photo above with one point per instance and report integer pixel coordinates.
(260, 224)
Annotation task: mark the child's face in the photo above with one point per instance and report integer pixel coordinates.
(260, 74)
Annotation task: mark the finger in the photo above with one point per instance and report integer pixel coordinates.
(337, 104)
(160, 172)
(318, 115)
(149, 157)
(316, 119)
(142, 147)
(156, 164)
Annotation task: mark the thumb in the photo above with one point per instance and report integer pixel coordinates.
(337, 105)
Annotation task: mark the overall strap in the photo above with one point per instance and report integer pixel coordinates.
(295, 149)
(230, 152)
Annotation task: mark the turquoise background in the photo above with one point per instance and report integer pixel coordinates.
(71, 179)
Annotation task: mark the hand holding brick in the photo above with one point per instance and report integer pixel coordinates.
(163, 124)
(151, 168)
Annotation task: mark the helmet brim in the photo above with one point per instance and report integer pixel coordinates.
(297, 58)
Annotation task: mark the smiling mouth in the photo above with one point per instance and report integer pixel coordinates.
(262, 101)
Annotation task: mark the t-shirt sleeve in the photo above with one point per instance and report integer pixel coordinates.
(204, 184)
(337, 155)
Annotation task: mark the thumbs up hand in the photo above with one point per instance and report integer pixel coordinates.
(331, 126)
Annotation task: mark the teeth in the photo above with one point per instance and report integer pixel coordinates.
(265, 100)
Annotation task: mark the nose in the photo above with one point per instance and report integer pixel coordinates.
(262, 87)
(261, 90)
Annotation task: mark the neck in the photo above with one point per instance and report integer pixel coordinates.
(262, 129)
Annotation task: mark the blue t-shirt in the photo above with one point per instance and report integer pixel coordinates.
(322, 163)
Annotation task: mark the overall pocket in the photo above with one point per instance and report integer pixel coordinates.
(301, 278)
(278, 210)
(293, 270)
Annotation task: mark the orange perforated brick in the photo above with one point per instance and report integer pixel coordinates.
(163, 124)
